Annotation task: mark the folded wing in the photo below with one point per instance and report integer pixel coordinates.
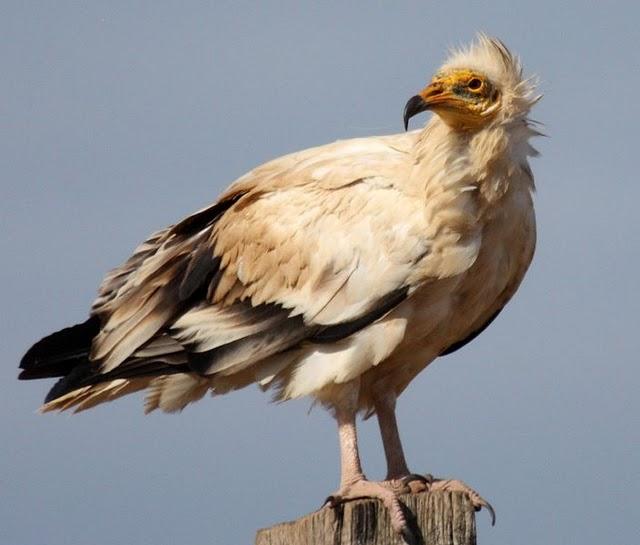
(310, 248)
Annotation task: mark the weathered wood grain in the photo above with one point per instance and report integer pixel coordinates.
(437, 518)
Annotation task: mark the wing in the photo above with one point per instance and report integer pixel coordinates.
(310, 248)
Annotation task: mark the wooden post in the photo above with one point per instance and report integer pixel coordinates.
(437, 518)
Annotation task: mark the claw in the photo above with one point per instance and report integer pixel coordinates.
(385, 492)
(408, 536)
(489, 508)
(415, 477)
(331, 501)
(477, 500)
(413, 484)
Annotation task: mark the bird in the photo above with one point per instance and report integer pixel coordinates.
(336, 273)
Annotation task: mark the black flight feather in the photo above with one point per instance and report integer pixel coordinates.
(57, 354)
(459, 344)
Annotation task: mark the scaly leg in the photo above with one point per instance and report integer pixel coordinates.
(353, 483)
(398, 475)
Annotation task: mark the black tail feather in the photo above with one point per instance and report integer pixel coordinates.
(58, 354)
(87, 374)
(79, 376)
(66, 354)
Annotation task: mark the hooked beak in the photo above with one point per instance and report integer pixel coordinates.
(414, 106)
(430, 96)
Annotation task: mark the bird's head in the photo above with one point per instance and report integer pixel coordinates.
(475, 87)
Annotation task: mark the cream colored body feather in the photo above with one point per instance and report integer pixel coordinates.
(319, 238)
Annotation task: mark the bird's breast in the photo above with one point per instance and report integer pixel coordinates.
(447, 311)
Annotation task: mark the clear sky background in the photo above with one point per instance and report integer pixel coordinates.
(120, 118)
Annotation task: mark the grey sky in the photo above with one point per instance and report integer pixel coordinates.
(119, 118)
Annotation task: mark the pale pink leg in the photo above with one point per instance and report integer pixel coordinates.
(398, 475)
(350, 466)
(353, 483)
(386, 412)
(397, 470)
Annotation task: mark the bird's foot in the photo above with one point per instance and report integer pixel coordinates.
(453, 485)
(412, 483)
(387, 492)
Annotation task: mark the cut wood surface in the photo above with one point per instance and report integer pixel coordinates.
(437, 518)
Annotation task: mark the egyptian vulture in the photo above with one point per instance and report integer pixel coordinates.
(338, 272)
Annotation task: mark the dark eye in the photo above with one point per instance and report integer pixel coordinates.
(474, 84)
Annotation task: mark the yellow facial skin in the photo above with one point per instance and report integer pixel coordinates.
(462, 98)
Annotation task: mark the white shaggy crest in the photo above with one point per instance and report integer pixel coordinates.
(491, 57)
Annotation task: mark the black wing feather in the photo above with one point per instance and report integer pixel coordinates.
(58, 353)
(462, 342)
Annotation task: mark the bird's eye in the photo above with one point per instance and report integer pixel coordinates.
(474, 84)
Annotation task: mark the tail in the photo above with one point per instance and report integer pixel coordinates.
(65, 354)
(60, 353)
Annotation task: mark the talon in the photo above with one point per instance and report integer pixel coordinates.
(384, 491)
(492, 513)
(408, 536)
(477, 500)
(331, 501)
(415, 477)
(413, 483)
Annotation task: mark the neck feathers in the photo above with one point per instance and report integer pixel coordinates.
(485, 163)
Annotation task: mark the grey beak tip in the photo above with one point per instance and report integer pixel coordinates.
(414, 106)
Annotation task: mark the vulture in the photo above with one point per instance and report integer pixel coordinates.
(339, 272)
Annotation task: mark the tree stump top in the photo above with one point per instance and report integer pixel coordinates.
(437, 518)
